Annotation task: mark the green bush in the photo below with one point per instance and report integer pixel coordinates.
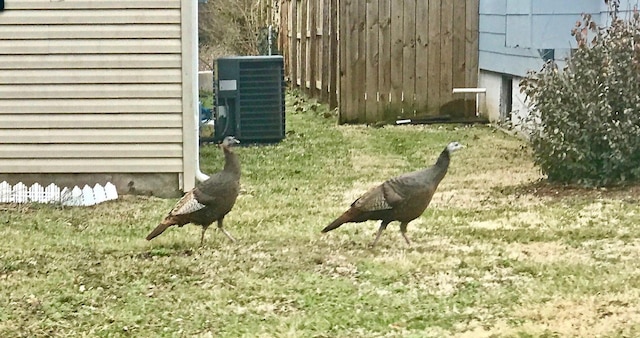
(585, 121)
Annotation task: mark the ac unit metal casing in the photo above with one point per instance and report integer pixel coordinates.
(249, 98)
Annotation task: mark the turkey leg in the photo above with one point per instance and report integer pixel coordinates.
(383, 225)
(224, 231)
(204, 229)
(403, 231)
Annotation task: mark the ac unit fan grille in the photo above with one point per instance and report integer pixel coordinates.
(261, 101)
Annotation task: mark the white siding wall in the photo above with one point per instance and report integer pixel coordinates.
(91, 86)
(519, 107)
(493, 82)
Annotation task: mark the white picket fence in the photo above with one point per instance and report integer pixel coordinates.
(76, 196)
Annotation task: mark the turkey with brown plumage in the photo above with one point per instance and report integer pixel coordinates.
(211, 200)
(402, 198)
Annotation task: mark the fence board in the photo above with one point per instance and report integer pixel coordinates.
(409, 58)
(458, 39)
(304, 48)
(396, 52)
(351, 46)
(433, 92)
(422, 54)
(471, 43)
(313, 47)
(293, 43)
(384, 43)
(360, 77)
(345, 83)
(446, 50)
(459, 58)
(284, 35)
(373, 26)
(333, 62)
(326, 49)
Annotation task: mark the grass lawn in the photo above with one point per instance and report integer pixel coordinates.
(495, 255)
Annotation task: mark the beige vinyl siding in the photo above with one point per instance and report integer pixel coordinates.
(89, 136)
(82, 150)
(81, 165)
(68, 121)
(91, 86)
(80, 31)
(46, 16)
(91, 61)
(86, 46)
(94, 106)
(102, 91)
(91, 4)
(82, 76)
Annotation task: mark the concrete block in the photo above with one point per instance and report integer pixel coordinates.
(205, 80)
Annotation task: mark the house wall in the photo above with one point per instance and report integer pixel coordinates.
(516, 34)
(94, 89)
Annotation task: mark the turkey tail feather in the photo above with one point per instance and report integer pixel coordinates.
(164, 225)
(346, 217)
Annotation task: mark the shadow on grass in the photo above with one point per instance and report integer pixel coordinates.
(165, 251)
(542, 188)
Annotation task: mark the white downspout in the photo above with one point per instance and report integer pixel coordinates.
(200, 176)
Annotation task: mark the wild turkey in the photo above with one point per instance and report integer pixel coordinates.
(210, 200)
(402, 198)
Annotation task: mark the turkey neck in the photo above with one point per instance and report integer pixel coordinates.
(442, 164)
(231, 161)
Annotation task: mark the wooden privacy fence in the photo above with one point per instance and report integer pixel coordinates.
(385, 59)
(308, 40)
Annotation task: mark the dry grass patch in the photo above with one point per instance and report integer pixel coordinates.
(547, 252)
(524, 219)
(590, 316)
(614, 250)
(377, 166)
